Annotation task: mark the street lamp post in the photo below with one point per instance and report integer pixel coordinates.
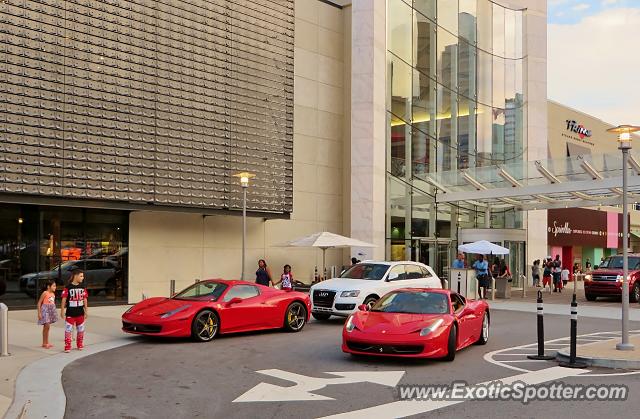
(624, 144)
(244, 182)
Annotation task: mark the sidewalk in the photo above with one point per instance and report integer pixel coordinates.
(604, 354)
(25, 338)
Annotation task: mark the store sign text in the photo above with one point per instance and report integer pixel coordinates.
(578, 129)
(565, 229)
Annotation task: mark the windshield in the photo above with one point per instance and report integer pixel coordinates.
(201, 291)
(373, 271)
(413, 303)
(615, 262)
(65, 265)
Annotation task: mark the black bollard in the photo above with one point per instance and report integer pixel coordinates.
(540, 316)
(574, 338)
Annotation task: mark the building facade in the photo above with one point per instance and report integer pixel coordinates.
(122, 124)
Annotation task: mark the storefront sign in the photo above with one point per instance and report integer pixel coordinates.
(583, 227)
(578, 129)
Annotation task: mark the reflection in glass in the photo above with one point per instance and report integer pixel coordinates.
(423, 98)
(448, 15)
(467, 21)
(485, 74)
(420, 152)
(399, 31)
(400, 134)
(426, 7)
(447, 58)
(466, 133)
(485, 25)
(498, 30)
(510, 34)
(424, 49)
(400, 75)
(467, 70)
(498, 82)
(447, 111)
(484, 131)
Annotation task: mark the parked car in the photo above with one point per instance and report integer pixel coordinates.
(606, 280)
(364, 283)
(212, 307)
(417, 323)
(99, 275)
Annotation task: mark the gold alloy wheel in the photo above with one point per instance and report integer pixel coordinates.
(296, 316)
(206, 325)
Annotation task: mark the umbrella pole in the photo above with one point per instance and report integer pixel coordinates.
(324, 269)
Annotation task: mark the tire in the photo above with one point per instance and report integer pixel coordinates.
(370, 301)
(452, 344)
(321, 316)
(484, 330)
(634, 295)
(205, 326)
(295, 317)
(590, 297)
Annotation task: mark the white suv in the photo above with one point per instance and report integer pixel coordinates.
(365, 283)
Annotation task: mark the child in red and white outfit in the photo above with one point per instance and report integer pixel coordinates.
(74, 309)
(286, 279)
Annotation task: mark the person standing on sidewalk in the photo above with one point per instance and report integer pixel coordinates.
(263, 274)
(47, 311)
(286, 279)
(535, 272)
(74, 310)
(482, 275)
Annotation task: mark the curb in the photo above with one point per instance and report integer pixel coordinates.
(627, 364)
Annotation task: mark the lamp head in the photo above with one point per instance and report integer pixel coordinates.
(244, 178)
(624, 135)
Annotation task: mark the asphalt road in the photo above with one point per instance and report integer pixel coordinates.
(182, 379)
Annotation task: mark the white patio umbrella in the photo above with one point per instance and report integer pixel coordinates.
(483, 247)
(325, 240)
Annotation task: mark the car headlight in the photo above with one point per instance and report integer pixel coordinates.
(433, 326)
(352, 293)
(350, 325)
(174, 311)
(588, 277)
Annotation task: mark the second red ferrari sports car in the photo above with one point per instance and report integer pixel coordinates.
(210, 307)
(418, 322)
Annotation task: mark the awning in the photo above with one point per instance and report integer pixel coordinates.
(582, 181)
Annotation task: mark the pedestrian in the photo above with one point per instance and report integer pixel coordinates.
(286, 279)
(535, 273)
(546, 273)
(482, 275)
(74, 309)
(503, 270)
(564, 277)
(495, 267)
(556, 273)
(47, 311)
(587, 265)
(263, 274)
(459, 262)
(354, 260)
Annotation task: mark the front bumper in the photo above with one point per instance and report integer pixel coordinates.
(608, 288)
(408, 346)
(342, 306)
(154, 326)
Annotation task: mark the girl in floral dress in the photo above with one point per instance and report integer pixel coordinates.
(47, 311)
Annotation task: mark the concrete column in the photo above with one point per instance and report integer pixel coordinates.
(368, 124)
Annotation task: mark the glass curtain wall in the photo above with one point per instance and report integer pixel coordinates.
(39, 243)
(455, 99)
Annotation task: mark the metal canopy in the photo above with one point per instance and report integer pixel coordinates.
(581, 181)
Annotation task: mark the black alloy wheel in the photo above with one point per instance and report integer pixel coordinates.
(205, 326)
(452, 344)
(295, 317)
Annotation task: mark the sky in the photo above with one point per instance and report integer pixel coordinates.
(594, 57)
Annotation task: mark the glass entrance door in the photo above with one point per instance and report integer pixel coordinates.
(437, 254)
(516, 261)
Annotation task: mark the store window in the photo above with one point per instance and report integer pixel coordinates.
(42, 243)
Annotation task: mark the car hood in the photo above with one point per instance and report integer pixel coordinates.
(157, 306)
(609, 272)
(393, 323)
(43, 274)
(345, 284)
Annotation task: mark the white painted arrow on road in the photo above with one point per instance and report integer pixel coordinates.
(404, 408)
(305, 385)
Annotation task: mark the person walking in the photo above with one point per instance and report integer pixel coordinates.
(546, 275)
(47, 311)
(482, 275)
(587, 266)
(459, 262)
(555, 272)
(74, 310)
(263, 274)
(564, 277)
(535, 273)
(286, 279)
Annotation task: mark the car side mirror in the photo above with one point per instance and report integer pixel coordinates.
(234, 300)
(392, 276)
(363, 307)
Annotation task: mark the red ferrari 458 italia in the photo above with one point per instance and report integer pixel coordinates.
(210, 307)
(417, 323)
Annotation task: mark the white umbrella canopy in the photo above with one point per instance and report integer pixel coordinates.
(325, 240)
(483, 247)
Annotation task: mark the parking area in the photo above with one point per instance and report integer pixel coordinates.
(305, 375)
